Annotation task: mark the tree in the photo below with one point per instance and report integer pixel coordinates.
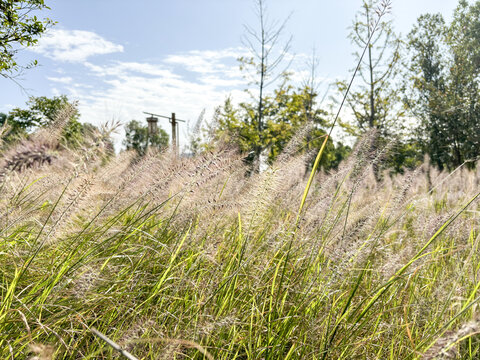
(443, 77)
(19, 28)
(264, 64)
(41, 111)
(373, 103)
(287, 111)
(137, 138)
(11, 129)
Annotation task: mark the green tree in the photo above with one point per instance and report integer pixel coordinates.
(137, 138)
(13, 130)
(287, 111)
(374, 103)
(41, 111)
(264, 65)
(444, 70)
(19, 28)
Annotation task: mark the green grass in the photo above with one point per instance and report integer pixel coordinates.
(193, 260)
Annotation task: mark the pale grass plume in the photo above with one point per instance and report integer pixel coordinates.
(446, 347)
(42, 352)
(38, 149)
(50, 135)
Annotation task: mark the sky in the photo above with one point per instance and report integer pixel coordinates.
(119, 58)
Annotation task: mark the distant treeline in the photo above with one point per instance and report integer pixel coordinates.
(419, 93)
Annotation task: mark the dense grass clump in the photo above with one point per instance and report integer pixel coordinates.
(191, 259)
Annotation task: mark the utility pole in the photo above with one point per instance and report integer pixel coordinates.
(174, 121)
(174, 134)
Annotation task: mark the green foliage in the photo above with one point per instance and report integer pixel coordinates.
(374, 101)
(445, 97)
(75, 132)
(15, 130)
(405, 155)
(263, 66)
(191, 258)
(41, 111)
(19, 28)
(137, 137)
(285, 113)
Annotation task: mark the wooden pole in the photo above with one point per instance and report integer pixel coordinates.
(174, 135)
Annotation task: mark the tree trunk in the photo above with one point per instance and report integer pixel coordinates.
(371, 120)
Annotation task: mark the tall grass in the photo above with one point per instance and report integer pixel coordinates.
(190, 258)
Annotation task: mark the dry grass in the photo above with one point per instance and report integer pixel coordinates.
(161, 254)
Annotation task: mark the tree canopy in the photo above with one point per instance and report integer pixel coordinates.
(287, 111)
(444, 70)
(41, 111)
(263, 66)
(371, 102)
(20, 28)
(432, 109)
(137, 137)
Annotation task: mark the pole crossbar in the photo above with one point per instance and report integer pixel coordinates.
(174, 121)
(163, 116)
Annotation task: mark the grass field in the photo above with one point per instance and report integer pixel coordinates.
(191, 259)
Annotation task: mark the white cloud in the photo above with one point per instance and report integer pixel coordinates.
(217, 81)
(61, 80)
(133, 87)
(209, 62)
(182, 83)
(122, 69)
(128, 89)
(74, 45)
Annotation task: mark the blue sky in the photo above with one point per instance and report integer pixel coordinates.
(119, 58)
